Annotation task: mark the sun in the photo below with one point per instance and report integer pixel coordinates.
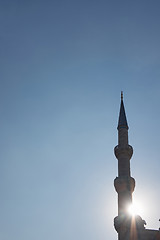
(134, 209)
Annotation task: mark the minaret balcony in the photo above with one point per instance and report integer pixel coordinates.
(123, 152)
(123, 184)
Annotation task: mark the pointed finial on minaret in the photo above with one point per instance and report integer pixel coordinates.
(122, 95)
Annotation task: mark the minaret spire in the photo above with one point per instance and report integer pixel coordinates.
(122, 123)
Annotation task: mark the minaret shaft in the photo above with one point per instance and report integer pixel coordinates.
(122, 137)
(123, 152)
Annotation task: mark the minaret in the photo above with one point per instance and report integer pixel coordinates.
(128, 227)
(124, 183)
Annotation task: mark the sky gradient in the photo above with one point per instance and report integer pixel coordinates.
(63, 65)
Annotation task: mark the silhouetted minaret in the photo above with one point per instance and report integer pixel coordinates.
(124, 183)
(128, 227)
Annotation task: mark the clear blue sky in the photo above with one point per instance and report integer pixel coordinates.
(63, 65)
